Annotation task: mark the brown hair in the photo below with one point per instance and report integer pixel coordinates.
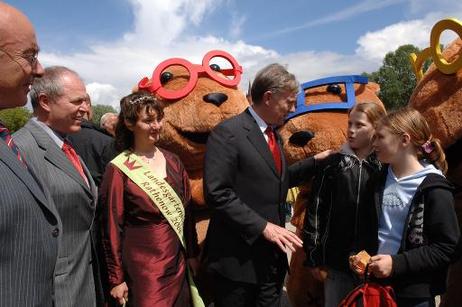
(373, 111)
(410, 121)
(275, 78)
(130, 108)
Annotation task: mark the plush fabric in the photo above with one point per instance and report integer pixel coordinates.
(189, 120)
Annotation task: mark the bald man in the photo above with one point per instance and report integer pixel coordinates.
(30, 227)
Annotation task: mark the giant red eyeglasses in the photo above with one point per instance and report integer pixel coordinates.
(219, 75)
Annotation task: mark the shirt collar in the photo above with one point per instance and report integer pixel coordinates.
(55, 136)
(260, 122)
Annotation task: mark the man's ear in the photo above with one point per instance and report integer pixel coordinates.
(44, 102)
(266, 98)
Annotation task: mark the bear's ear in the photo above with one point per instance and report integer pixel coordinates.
(374, 87)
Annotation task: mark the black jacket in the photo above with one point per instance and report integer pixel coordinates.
(95, 148)
(338, 219)
(429, 241)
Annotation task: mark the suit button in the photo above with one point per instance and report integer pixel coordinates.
(55, 232)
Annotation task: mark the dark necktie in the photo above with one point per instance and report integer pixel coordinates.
(74, 158)
(274, 148)
(6, 136)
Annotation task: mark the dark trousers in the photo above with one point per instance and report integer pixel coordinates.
(415, 302)
(228, 293)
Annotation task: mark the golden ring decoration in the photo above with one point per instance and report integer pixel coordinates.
(434, 51)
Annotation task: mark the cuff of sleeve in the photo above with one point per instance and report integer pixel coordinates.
(256, 232)
(399, 264)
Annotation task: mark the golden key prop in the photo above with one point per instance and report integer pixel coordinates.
(434, 51)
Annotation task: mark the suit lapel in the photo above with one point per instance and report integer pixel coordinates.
(33, 184)
(257, 139)
(55, 155)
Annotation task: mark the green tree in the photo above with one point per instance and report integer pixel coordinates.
(15, 118)
(396, 77)
(99, 110)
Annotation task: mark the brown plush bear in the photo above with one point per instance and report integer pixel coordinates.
(438, 97)
(193, 109)
(328, 131)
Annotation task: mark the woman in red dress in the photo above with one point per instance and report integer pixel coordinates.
(146, 262)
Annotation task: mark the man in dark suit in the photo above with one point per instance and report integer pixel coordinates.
(59, 100)
(30, 226)
(246, 182)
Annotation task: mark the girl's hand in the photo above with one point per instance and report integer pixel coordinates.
(381, 266)
(120, 293)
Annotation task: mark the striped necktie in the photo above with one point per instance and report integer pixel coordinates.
(6, 136)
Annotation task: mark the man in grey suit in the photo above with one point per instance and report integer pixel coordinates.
(29, 223)
(60, 100)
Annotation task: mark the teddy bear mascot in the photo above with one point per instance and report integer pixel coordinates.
(196, 97)
(438, 96)
(319, 123)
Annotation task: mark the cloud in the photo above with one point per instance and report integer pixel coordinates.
(160, 31)
(103, 93)
(375, 45)
(343, 14)
(163, 29)
(237, 22)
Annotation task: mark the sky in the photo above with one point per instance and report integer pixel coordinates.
(113, 44)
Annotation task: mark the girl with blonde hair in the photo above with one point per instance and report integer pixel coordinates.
(417, 225)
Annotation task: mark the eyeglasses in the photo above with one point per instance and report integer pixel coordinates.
(349, 81)
(30, 57)
(155, 85)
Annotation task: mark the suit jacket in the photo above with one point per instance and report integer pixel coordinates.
(29, 235)
(245, 192)
(76, 204)
(95, 147)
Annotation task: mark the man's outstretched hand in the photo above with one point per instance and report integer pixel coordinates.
(284, 238)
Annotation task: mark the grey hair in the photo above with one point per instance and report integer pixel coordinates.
(275, 78)
(105, 117)
(49, 84)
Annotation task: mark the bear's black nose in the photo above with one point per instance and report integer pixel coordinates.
(215, 98)
(301, 138)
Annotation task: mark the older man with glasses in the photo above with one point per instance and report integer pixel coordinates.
(30, 227)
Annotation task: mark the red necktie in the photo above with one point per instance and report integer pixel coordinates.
(74, 158)
(6, 136)
(274, 148)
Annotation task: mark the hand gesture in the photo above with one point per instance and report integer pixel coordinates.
(381, 266)
(120, 293)
(284, 238)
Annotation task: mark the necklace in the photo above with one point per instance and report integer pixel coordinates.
(145, 158)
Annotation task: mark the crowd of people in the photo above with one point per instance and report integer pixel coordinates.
(101, 216)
